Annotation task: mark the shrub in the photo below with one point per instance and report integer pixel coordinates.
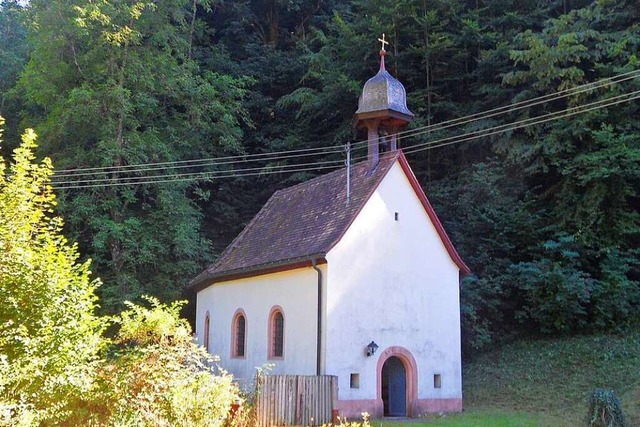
(343, 422)
(152, 373)
(605, 409)
(158, 376)
(49, 334)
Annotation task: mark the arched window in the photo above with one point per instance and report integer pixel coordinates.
(207, 322)
(239, 334)
(276, 333)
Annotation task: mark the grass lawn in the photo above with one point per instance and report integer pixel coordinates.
(544, 383)
(476, 418)
(554, 378)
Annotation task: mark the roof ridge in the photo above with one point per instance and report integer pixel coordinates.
(305, 219)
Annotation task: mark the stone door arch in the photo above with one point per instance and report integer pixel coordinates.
(398, 364)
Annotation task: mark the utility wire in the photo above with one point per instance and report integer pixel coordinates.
(179, 164)
(524, 123)
(410, 150)
(131, 179)
(334, 164)
(274, 156)
(238, 174)
(162, 169)
(569, 112)
(587, 87)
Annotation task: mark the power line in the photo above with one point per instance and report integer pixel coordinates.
(187, 163)
(523, 123)
(274, 156)
(163, 169)
(146, 167)
(410, 150)
(131, 179)
(534, 120)
(230, 175)
(609, 81)
(333, 164)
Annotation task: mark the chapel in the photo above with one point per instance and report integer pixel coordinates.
(349, 274)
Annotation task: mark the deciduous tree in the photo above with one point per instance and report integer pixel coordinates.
(116, 86)
(49, 334)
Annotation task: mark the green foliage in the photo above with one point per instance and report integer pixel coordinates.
(153, 372)
(130, 65)
(157, 375)
(49, 335)
(555, 294)
(13, 46)
(582, 172)
(605, 409)
(14, 53)
(158, 325)
(112, 84)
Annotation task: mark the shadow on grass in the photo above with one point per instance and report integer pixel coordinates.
(478, 418)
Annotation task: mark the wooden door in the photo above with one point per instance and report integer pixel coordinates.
(394, 388)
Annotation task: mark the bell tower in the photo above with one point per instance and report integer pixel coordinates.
(382, 109)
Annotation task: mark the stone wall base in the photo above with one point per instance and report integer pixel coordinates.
(353, 409)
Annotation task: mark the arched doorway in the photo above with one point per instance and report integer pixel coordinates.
(394, 388)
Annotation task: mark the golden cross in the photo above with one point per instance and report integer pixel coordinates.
(382, 40)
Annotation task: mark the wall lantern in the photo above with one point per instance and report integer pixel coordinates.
(371, 348)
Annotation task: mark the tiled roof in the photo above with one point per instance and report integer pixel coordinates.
(301, 221)
(305, 221)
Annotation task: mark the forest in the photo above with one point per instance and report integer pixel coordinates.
(169, 123)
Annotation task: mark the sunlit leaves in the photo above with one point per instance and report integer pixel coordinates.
(159, 375)
(49, 335)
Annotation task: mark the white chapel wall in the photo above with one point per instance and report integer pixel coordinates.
(393, 282)
(295, 291)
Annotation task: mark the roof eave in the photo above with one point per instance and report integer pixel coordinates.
(206, 279)
(388, 113)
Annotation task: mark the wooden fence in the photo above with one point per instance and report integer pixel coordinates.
(295, 400)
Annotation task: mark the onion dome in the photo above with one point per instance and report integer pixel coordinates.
(383, 97)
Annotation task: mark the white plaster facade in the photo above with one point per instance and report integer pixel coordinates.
(294, 291)
(402, 292)
(389, 279)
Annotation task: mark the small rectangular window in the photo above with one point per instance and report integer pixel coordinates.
(397, 216)
(355, 380)
(437, 381)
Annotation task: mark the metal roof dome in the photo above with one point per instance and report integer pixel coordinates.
(383, 96)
